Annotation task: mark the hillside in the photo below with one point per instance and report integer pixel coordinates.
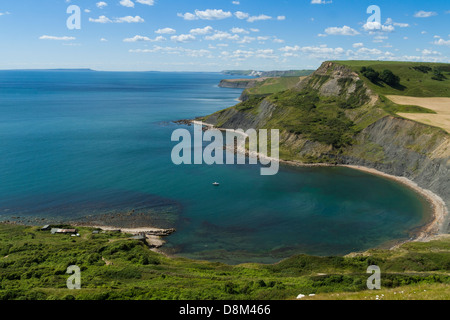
(33, 266)
(337, 115)
(416, 78)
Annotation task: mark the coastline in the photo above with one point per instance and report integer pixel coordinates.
(153, 236)
(427, 232)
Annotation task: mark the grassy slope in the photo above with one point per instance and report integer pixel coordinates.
(273, 85)
(33, 265)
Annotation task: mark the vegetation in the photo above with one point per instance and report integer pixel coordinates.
(386, 76)
(317, 118)
(33, 266)
(416, 78)
(273, 85)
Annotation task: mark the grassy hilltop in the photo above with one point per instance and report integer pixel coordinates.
(416, 78)
(33, 265)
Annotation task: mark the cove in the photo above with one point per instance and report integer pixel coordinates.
(84, 143)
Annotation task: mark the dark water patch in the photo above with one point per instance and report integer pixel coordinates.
(112, 208)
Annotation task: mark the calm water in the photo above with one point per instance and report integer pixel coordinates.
(77, 144)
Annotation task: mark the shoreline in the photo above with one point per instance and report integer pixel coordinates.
(153, 236)
(427, 232)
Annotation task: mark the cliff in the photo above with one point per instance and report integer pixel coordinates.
(337, 116)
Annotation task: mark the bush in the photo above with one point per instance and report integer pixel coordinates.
(438, 75)
(390, 78)
(423, 69)
(370, 74)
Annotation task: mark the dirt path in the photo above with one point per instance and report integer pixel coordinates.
(439, 105)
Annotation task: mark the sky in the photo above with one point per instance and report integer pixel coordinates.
(215, 35)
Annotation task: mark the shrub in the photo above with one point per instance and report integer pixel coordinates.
(390, 78)
(370, 74)
(438, 75)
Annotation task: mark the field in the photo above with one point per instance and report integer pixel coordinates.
(33, 265)
(273, 85)
(441, 107)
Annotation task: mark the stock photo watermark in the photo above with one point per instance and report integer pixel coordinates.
(236, 140)
(74, 20)
(374, 281)
(74, 281)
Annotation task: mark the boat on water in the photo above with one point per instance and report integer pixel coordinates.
(216, 184)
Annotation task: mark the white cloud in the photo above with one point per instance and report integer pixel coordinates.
(276, 40)
(290, 49)
(367, 51)
(202, 31)
(101, 4)
(239, 30)
(65, 38)
(241, 15)
(138, 38)
(321, 1)
(240, 55)
(259, 18)
(254, 30)
(236, 2)
(208, 14)
(147, 2)
(175, 50)
(427, 52)
(281, 18)
(247, 39)
(358, 45)
(127, 3)
(129, 19)
(442, 42)
(317, 52)
(87, 10)
(166, 31)
(397, 24)
(103, 40)
(220, 35)
(344, 31)
(187, 16)
(4, 13)
(183, 38)
(424, 14)
(376, 26)
(101, 19)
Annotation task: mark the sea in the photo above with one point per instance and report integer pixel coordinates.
(81, 145)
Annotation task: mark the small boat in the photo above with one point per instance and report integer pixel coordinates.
(216, 184)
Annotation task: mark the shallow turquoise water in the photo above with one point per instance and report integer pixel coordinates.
(88, 143)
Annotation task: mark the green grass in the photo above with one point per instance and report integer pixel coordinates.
(273, 85)
(413, 82)
(33, 265)
(393, 108)
(317, 118)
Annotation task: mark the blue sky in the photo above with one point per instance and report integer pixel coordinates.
(213, 35)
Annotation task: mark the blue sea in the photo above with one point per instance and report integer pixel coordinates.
(79, 145)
